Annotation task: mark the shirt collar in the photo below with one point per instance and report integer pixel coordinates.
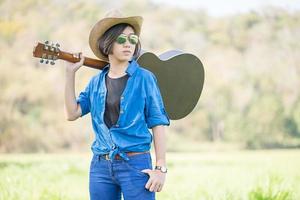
(129, 70)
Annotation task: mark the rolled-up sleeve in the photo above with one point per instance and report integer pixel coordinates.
(155, 112)
(84, 100)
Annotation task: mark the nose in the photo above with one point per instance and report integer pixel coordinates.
(127, 43)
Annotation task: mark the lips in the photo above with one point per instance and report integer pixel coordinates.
(127, 51)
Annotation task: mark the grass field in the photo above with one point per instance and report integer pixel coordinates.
(253, 175)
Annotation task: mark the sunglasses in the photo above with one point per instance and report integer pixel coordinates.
(132, 38)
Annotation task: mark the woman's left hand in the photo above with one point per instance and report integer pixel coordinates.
(156, 180)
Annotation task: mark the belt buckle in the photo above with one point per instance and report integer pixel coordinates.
(107, 157)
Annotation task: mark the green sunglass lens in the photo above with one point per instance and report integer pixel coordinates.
(133, 39)
(121, 39)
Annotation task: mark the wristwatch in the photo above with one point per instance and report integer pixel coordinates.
(163, 169)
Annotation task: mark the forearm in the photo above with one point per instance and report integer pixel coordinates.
(160, 145)
(70, 98)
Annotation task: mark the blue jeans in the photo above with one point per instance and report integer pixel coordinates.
(111, 178)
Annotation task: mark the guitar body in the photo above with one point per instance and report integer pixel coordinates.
(180, 75)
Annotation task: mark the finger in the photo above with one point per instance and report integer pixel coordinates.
(153, 187)
(81, 57)
(148, 184)
(80, 62)
(76, 55)
(147, 171)
(159, 188)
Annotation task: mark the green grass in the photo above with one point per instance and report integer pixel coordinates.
(253, 175)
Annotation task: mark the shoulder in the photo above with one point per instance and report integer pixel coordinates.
(148, 78)
(146, 74)
(94, 80)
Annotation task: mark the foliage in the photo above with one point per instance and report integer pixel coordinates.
(251, 65)
(243, 175)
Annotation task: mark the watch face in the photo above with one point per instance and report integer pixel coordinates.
(163, 169)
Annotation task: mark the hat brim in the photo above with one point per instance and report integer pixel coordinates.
(104, 24)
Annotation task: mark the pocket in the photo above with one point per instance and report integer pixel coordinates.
(92, 163)
(139, 162)
(97, 102)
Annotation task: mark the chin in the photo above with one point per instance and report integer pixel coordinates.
(125, 58)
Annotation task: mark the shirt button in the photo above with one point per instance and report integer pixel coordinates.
(122, 97)
(117, 125)
(121, 111)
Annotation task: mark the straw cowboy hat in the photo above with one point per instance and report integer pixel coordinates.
(111, 18)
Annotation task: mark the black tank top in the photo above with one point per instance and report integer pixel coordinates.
(115, 88)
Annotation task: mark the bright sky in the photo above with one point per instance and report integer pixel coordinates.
(223, 7)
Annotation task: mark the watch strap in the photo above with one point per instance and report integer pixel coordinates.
(161, 169)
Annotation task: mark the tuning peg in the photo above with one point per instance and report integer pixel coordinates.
(57, 47)
(42, 60)
(46, 42)
(47, 61)
(51, 47)
(52, 62)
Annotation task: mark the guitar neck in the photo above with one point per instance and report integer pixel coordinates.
(89, 62)
(52, 52)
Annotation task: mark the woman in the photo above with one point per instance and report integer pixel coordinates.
(124, 101)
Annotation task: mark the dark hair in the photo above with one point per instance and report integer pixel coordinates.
(105, 42)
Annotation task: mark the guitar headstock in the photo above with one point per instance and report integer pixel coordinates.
(47, 52)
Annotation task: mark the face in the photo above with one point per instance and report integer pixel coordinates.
(124, 52)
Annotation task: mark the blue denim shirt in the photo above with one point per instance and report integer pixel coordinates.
(141, 108)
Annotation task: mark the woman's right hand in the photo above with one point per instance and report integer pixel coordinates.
(73, 67)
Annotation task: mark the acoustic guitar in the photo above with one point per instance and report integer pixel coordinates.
(180, 75)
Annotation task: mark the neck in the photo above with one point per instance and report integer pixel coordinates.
(117, 67)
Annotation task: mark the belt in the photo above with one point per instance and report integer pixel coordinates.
(118, 157)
